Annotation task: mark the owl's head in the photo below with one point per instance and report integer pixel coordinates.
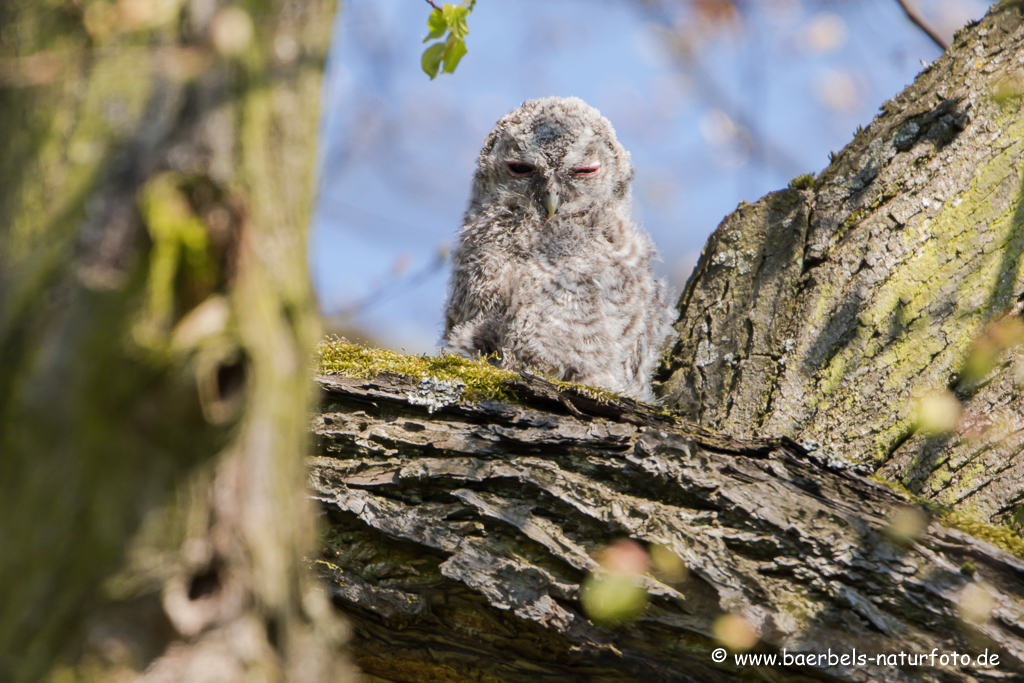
(553, 156)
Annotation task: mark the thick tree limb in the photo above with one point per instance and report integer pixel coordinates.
(459, 539)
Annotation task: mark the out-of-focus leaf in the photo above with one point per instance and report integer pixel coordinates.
(611, 598)
(735, 632)
(454, 50)
(455, 17)
(975, 604)
(906, 526)
(937, 412)
(431, 60)
(437, 25)
(444, 56)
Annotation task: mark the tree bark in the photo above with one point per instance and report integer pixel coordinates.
(827, 313)
(459, 541)
(155, 327)
(817, 326)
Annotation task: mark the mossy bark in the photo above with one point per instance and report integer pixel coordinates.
(830, 314)
(459, 540)
(155, 328)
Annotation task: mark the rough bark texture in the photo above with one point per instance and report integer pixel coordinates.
(825, 313)
(155, 327)
(458, 542)
(459, 538)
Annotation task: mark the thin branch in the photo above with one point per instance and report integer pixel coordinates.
(759, 147)
(431, 3)
(393, 287)
(921, 24)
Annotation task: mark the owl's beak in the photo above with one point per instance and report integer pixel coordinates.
(551, 198)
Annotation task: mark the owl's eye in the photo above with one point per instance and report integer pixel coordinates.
(586, 170)
(519, 168)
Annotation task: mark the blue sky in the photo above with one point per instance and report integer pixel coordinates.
(398, 150)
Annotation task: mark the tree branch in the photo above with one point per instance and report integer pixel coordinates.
(923, 25)
(478, 522)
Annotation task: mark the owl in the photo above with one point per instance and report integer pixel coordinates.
(550, 272)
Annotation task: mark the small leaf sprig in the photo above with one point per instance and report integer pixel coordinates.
(444, 55)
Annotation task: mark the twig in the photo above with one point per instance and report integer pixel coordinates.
(921, 24)
(759, 147)
(431, 3)
(393, 287)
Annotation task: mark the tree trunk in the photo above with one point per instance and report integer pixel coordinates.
(833, 314)
(848, 320)
(155, 326)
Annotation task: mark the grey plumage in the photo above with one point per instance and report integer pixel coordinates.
(550, 272)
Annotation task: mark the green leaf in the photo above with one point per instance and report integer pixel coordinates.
(454, 49)
(455, 17)
(431, 60)
(437, 25)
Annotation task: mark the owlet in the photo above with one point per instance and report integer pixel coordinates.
(550, 272)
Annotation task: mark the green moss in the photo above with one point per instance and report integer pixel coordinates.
(940, 478)
(594, 393)
(1000, 535)
(483, 381)
(854, 218)
(802, 182)
(898, 488)
(896, 327)
(890, 437)
(1016, 521)
(969, 476)
(180, 256)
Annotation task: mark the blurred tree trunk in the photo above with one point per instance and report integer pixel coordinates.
(871, 314)
(155, 326)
